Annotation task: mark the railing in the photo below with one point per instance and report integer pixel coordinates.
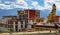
(48, 24)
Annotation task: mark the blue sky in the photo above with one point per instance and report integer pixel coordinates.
(10, 7)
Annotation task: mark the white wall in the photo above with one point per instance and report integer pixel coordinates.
(2, 28)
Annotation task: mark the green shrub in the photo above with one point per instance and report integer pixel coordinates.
(5, 31)
(11, 30)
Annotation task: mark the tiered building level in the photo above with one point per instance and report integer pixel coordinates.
(23, 21)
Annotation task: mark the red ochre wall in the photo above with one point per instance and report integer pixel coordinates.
(32, 14)
(57, 19)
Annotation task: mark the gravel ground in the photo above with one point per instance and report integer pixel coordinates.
(34, 34)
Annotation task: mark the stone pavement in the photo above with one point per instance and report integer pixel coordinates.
(30, 33)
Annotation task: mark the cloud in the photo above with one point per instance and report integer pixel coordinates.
(11, 5)
(22, 2)
(7, 2)
(3, 6)
(24, 5)
(37, 6)
(49, 3)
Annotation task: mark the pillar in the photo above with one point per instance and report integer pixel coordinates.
(30, 23)
(29, 26)
(14, 26)
(23, 24)
(19, 26)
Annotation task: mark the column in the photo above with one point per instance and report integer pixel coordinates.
(23, 24)
(29, 26)
(28, 19)
(19, 25)
(14, 26)
(30, 23)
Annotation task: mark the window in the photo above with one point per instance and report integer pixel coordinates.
(26, 12)
(32, 26)
(21, 26)
(10, 26)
